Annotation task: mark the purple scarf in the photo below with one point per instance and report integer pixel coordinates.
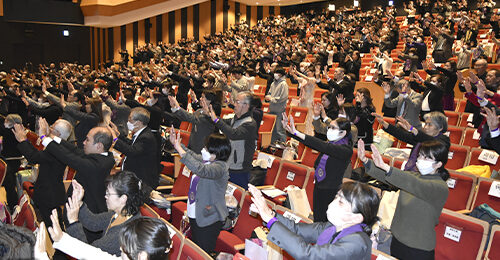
(320, 172)
(328, 233)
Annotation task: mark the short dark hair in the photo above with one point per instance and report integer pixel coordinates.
(219, 145)
(364, 200)
(104, 137)
(439, 151)
(146, 234)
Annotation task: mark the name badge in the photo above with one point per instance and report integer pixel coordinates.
(488, 156)
(451, 183)
(452, 233)
(290, 176)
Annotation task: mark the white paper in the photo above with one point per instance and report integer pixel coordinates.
(254, 251)
(450, 155)
(273, 192)
(495, 189)
(186, 172)
(372, 71)
(451, 183)
(291, 216)
(267, 157)
(265, 109)
(230, 189)
(382, 257)
(476, 135)
(488, 156)
(469, 118)
(447, 133)
(262, 122)
(369, 78)
(256, 87)
(377, 139)
(290, 176)
(297, 114)
(452, 233)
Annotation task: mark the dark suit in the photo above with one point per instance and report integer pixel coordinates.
(142, 156)
(91, 172)
(345, 87)
(51, 113)
(49, 188)
(86, 122)
(202, 127)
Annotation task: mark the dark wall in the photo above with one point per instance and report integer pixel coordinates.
(42, 43)
(43, 11)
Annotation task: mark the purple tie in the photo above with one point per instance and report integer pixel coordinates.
(412, 160)
(320, 172)
(192, 189)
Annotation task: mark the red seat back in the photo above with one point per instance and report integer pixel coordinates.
(482, 196)
(309, 157)
(474, 160)
(267, 123)
(464, 119)
(272, 172)
(246, 223)
(299, 114)
(457, 157)
(3, 170)
(181, 184)
(470, 139)
(26, 217)
(225, 111)
(493, 251)
(460, 196)
(192, 251)
(291, 174)
(472, 238)
(453, 117)
(34, 140)
(147, 211)
(455, 134)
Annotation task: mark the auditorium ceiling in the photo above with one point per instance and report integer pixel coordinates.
(108, 13)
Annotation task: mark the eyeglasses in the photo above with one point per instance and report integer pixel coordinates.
(110, 194)
(240, 102)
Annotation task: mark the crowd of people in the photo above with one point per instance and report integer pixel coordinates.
(86, 118)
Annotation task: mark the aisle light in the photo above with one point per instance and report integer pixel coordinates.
(331, 7)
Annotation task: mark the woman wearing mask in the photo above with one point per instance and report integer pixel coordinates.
(331, 163)
(422, 197)
(328, 109)
(346, 234)
(206, 205)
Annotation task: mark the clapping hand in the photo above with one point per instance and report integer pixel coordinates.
(340, 99)
(43, 127)
(361, 151)
(288, 127)
(491, 117)
(386, 87)
(41, 240)
(74, 202)
(55, 231)
(378, 160)
(317, 109)
(404, 123)
(19, 132)
(381, 120)
(173, 101)
(259, 204)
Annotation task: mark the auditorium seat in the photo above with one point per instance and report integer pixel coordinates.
(177, 241)
(461, 106)
(461, 187)
(457, 157)
(26, 216)
(493, 250)
(34, 140)
(266, 130)
(378, 255)
(272, 172)
(453, 117)
(319, 91)
(309, 157)
(474, 159)
(465, 119)
(299, 116)
(192, 251)
(455, 134)
(470, 138)
(147, 211)
(481, 196)
(471, 240)
(290, 174)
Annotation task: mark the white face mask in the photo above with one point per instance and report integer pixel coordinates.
(425, 167)
(276, 76)
(7, 125)
(130, 126)
(333, 134)
(205, 155)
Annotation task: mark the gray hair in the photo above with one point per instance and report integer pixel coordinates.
(438, 119)
(64, 128)
(140, 114)
(14, 118)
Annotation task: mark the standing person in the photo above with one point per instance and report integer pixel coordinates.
(408, 102)
(331, 163)
(307, 83)
(422, 197)
(241, 130)
(206, 207)
(12, 157)
(345, 235)
(86, 120)
(125, 194)
(277, 98)
(49, 192)
(140, 151)
(365, 119)
(328, 110)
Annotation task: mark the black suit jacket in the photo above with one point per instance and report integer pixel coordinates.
(345, 87)
(91, 172)
(49, 188)
(51, 113)
(142, 157)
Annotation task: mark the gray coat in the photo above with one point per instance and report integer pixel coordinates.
(71, 105)
(413, 104)
(202, 127)
(297, 239)
(279, 96)
(211, 190)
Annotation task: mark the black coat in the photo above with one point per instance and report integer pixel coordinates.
(91, 172)
(345, 87)
(50, 113)
(141, 156)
